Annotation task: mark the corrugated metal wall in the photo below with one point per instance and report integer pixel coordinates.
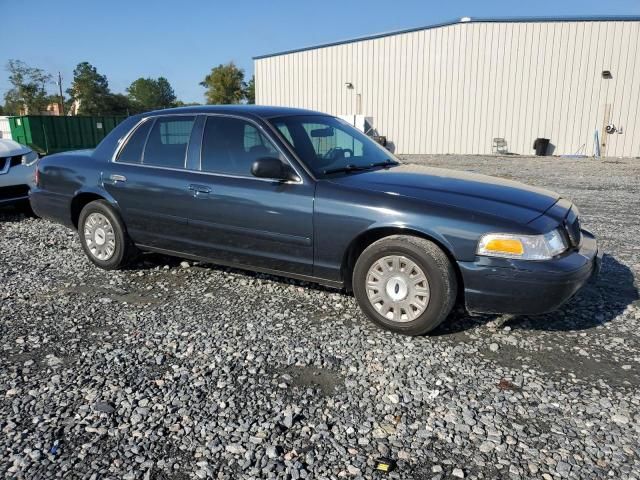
(452, 89)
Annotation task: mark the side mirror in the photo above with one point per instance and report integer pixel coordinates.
(274, 169)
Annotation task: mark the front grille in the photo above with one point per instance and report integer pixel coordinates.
(17, 160)
(572, 226)
(15, 191)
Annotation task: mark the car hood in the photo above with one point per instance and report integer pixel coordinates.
(469, 191)
(9, 148)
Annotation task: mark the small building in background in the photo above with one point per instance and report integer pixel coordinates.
(476, 86)
(53, 109)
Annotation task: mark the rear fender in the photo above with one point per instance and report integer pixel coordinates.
(88, 194)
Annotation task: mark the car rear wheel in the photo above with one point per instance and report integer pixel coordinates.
(405, 284)
(103, 236)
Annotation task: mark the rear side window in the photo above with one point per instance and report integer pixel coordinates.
(168, 141)
(231, 145)
(132, 151)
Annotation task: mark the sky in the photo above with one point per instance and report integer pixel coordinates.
(183, 40)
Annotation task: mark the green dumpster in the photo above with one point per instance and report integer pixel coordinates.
(48, 134)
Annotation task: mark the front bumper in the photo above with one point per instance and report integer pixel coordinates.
(15, 184)
(494, 285)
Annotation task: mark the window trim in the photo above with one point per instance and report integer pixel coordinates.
(290, 149)
(270, 121)
(153, 118)
(186, 150)
(124, 140)
(260, 130)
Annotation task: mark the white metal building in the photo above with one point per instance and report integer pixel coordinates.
(455, 87)
(5, 129)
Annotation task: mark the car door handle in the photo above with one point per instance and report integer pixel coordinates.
(117, 178)
(199, 190)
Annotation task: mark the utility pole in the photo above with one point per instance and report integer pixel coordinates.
(61, 97)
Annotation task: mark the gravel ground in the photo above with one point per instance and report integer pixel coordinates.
(180, 370)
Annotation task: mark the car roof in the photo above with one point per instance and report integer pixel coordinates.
(261, 111)
(9, 148)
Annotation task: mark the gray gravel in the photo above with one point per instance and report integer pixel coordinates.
(179, 370)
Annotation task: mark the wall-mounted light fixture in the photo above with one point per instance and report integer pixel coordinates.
(349, 85)
(606, 74)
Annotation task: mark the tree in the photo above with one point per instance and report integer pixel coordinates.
(180, 103)
(118, 104)
(224, 84)
(166, 94)
(28, 94)
(250, 90)
(150, 94)
(90, 89)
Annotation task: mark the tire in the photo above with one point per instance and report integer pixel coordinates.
(396, 298)
(103, 236)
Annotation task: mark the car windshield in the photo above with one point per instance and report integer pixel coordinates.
(330, 146)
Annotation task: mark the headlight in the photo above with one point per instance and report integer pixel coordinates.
(30, 158)
(525, 247)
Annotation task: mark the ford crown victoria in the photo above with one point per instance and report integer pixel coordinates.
(302, 194)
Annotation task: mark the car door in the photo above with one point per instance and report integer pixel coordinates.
(149, 181)
(243, 220)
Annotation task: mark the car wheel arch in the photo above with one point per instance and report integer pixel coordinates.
(81, 199)
(366, 238)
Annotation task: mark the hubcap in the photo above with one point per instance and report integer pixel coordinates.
(397, 288)
(99, 236)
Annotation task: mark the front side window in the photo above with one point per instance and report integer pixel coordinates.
(167, 142)
(330, 146)
(132, 151)
(231, 145)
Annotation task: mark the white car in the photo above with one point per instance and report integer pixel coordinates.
(17, 171)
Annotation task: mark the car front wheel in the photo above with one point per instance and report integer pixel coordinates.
(103, 236)
(405, 284)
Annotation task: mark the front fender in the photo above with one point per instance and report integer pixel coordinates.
(343, 216)
(381, 229)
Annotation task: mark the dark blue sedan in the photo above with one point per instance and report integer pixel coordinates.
(303, 194)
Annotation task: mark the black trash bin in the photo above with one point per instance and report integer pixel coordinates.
(540, 146)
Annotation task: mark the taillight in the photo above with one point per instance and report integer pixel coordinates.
(36, 177)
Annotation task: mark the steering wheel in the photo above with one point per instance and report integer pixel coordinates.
(338, 152)
(332, 155)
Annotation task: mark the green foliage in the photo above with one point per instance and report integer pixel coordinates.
(118, 104)
(91, 90)
(250, 90)
(28, 93)
(224, 84)
(180, 103)
(151, 94)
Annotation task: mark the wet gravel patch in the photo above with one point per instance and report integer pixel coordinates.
(173, 370)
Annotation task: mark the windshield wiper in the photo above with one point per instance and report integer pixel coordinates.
(387, 163)
(356, 168)
(347, 168)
